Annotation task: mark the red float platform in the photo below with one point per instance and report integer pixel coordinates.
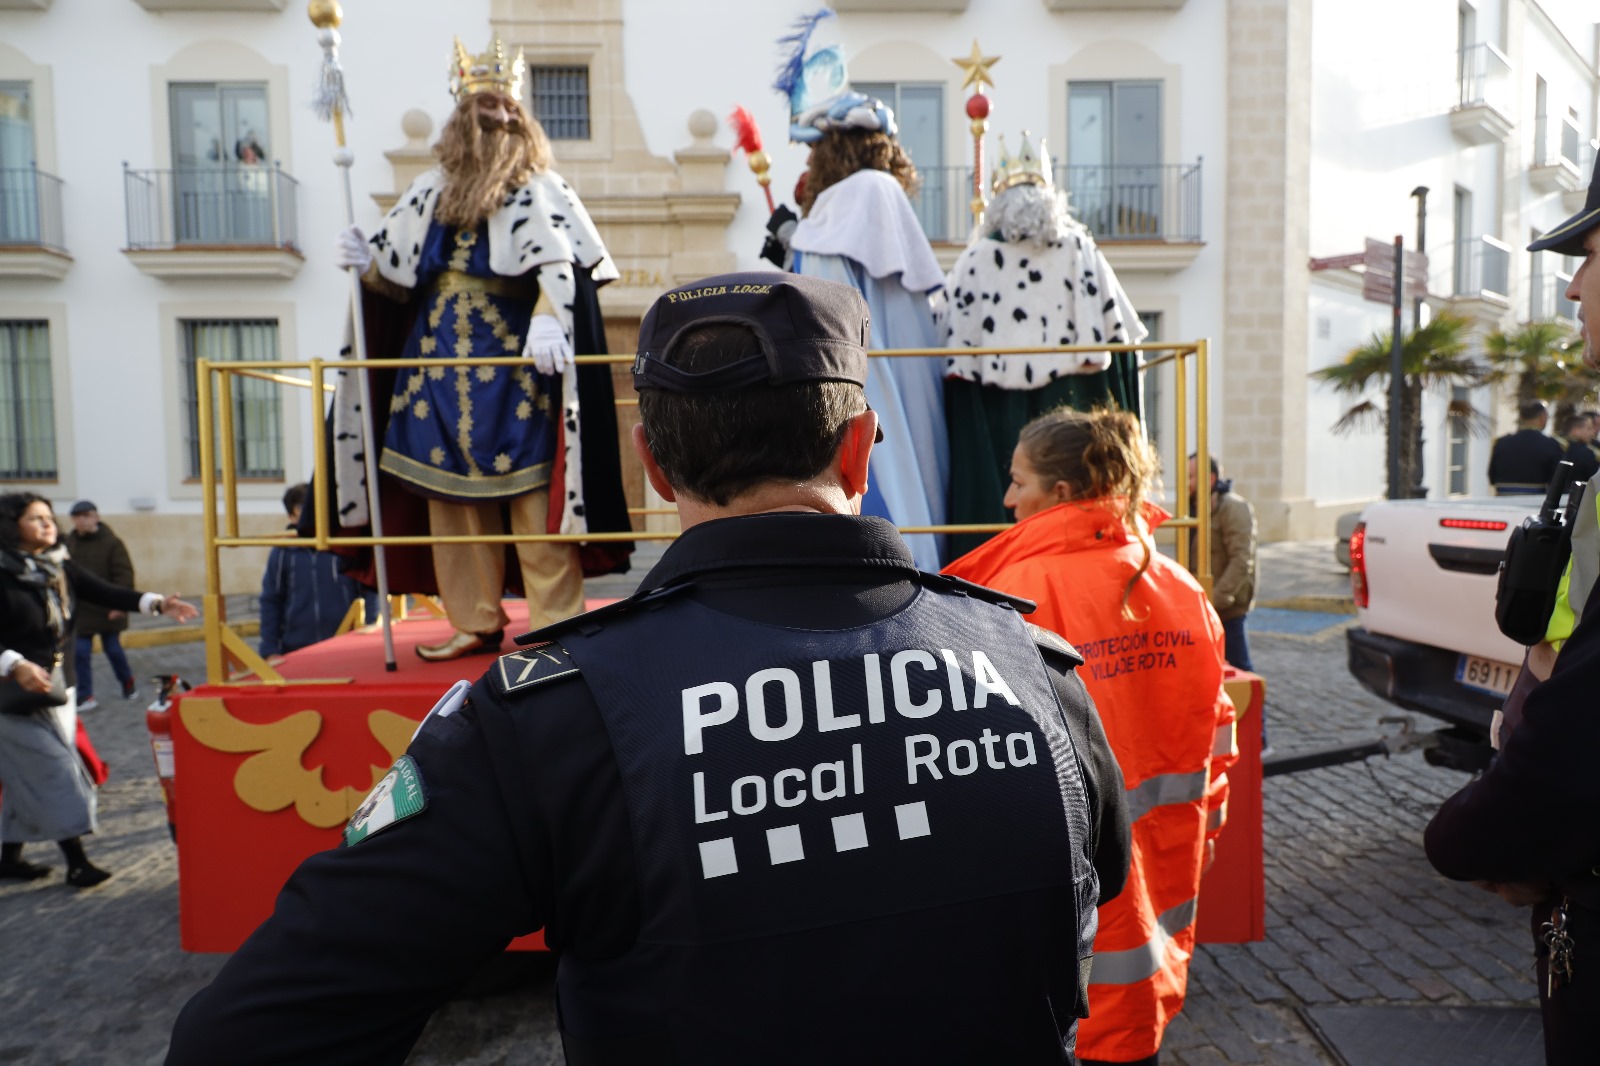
(268, 774)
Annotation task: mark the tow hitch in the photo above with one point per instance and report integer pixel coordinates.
(1406, 739)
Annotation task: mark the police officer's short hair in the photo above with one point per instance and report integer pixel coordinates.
(715, 446)
(1532, 409)
(749, 378)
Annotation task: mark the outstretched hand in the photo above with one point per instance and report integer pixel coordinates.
(179, 610)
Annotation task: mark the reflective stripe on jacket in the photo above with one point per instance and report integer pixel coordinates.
(1157, 682)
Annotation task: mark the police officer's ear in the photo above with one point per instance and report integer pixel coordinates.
(854, 451)
(652, 469)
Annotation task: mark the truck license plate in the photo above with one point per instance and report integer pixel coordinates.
(1486, 675)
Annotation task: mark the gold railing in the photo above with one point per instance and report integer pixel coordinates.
(230, 659)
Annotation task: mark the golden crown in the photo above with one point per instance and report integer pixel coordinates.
(1024, 166)
(491, 72)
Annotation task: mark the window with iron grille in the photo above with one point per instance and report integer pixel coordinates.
(257, 414)
(560, 101)
(27, 407)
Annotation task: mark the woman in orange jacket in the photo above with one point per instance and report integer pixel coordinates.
(1152, 648)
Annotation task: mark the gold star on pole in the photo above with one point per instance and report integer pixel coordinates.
(977, 67)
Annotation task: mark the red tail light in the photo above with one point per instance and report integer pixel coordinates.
(1473, 523)
(1358, 564)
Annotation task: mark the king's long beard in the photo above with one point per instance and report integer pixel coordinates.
(481, 166)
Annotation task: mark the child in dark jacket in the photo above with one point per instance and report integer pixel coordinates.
(304, 593)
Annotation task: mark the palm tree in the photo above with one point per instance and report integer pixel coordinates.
(1433, 357)
(1545, 360)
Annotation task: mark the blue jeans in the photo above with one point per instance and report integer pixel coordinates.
(1236, 649)
(1236, 644)
(83, 662)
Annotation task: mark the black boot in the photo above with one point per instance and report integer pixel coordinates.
(13, 867)
(81, 873)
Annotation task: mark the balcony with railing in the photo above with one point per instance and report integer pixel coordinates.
(32, 244)
(1145, 217)
(214, 221)
(1573, 199)
(1484, 100)
(1556, 148)
(1482, 283)
(1547, 298)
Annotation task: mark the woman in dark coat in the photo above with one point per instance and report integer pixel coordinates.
(47, 792)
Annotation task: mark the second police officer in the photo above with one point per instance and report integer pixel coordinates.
(792, 802)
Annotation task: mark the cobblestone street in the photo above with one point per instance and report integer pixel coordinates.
(1354, 913)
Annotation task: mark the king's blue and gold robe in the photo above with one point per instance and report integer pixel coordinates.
(470, 433)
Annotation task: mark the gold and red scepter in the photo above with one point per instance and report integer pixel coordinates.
(977, 67)
(331, 103)
(748, 135)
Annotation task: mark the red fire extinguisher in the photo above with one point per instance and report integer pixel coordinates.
(158, 719)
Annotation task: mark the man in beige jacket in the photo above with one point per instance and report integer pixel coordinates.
(1233, 562)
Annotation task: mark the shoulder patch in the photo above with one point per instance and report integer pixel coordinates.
(1053, 642)
(535, 665)
(400, 795)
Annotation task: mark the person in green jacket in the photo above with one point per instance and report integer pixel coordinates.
(98, 550)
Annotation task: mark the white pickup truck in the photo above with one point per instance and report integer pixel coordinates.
(1423, 573)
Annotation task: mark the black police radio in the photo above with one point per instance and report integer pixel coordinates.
(1536, 557)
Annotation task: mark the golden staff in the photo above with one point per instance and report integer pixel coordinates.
(977, 67)
(331, 103)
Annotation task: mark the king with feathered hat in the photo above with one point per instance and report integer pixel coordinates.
(858, 227)
(488, 254)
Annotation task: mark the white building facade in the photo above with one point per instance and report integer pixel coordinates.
(167, 194)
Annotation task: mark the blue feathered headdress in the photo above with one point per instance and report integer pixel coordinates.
(818, 87)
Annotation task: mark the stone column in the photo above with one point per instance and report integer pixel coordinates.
(1260, 368)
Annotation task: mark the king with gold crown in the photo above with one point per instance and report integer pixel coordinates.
(488, 254)
(1031, 276)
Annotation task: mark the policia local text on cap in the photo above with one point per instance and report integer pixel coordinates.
(791, 802)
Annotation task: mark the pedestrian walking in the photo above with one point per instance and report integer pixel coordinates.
(792, 802)
(95, 547)
(48, 792)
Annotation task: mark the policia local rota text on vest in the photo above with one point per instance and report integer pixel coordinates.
(900, 799)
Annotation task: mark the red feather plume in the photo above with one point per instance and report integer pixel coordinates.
(746, 130)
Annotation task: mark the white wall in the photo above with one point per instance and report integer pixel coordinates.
(1380, 128)
(106, 95)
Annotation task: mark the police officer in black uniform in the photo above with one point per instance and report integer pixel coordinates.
(792, 802)
(1523, 462)
(1526, 828)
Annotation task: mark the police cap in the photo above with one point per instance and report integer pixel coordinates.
(807, 329)
(1568, 238)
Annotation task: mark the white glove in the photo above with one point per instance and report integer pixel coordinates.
(547, 345)
(350, 249)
